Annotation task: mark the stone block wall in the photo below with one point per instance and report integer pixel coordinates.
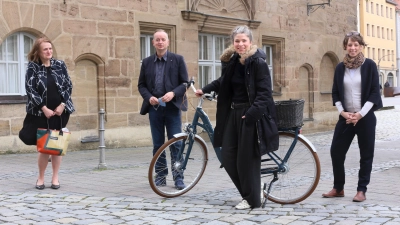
(100, 42)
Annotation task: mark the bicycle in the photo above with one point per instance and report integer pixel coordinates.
(295, 166)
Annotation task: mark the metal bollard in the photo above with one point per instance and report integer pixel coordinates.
(102, 147)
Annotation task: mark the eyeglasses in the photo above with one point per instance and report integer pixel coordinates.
(354, 33)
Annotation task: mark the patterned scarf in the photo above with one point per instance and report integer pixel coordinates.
(355, 62)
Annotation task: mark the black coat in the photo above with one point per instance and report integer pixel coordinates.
(36, 86)
(262, 111)
(370, 90)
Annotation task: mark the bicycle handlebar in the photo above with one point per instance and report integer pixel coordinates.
(210, 97)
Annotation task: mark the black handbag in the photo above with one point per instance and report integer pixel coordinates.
(28, 132)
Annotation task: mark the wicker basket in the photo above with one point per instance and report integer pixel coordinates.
(289, 113)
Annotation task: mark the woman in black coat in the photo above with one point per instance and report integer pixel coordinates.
(48, 88)
(356, 94)
(244, 104)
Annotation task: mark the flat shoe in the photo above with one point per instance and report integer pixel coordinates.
(53, 186)
(360, 197)
(39, 187)
(333, 194)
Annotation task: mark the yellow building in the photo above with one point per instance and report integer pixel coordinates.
(378, 27)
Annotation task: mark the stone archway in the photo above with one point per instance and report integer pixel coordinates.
(88, 93)
(305, 87)
(327, 69)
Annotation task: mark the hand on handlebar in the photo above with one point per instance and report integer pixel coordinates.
(199, 93)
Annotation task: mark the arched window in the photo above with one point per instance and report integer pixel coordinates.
(13, 63)
(390, 79)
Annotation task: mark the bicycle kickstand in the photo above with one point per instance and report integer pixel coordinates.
(266, 193)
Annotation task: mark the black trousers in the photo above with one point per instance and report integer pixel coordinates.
(342, 138)
(240, 158)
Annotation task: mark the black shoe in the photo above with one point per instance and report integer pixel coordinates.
(160, 181)
(179, 184)
(53, 186)
(39, 187)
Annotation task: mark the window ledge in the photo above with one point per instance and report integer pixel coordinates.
(325, 92)
(7, 100)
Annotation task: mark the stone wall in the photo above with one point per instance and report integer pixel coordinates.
(99, 41)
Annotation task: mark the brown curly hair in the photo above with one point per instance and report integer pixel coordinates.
(354, 36)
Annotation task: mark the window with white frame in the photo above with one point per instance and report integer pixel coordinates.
(210, 49)
(366, 6)
(390, 79)
(373, 53)
(391, 36)
(392, 55)
(387, 36)
(146, 46)
(269, 59)
(13, 63)
(373, 30)
(372, 7)
(378, 31)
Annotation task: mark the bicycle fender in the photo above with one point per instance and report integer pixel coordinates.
(185, 134)
(308, 142)
(178, 135)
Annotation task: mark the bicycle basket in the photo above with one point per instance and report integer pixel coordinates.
(289, 113)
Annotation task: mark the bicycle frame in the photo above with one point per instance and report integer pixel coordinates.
(191, 130)
(278, 161)
(295, 157)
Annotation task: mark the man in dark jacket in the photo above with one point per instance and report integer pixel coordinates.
(162, 84)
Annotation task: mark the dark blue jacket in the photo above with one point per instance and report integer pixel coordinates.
(370, 90)
(36, 86)
(175, 79)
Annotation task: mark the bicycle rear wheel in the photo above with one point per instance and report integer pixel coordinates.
(166, 171)
(301, 174)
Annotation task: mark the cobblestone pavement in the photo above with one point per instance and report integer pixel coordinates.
(121, 193)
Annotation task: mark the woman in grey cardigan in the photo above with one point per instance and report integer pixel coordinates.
(355, 93)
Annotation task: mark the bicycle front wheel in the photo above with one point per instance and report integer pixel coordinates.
(301, 172)
(177, 159)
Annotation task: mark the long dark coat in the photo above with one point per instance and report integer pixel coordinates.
(258, 83)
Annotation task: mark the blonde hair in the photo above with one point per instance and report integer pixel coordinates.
(33, 55)
(161, 30)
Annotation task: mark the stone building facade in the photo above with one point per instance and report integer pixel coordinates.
(103, 41)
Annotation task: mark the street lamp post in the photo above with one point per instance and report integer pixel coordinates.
(379, 61)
